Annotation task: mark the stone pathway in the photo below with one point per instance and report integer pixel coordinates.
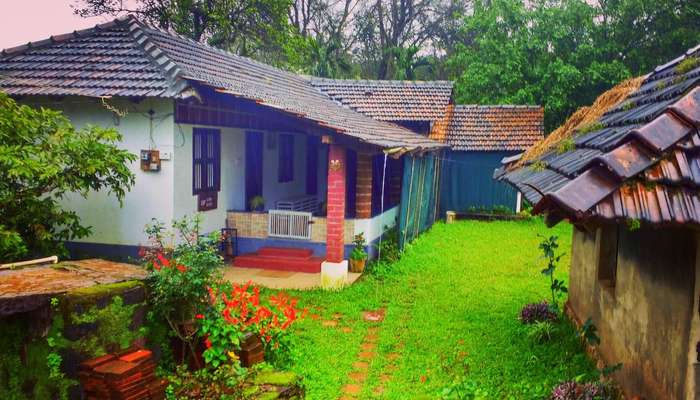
(357, 379)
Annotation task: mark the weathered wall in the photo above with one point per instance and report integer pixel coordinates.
(152, 194)
(644, 320)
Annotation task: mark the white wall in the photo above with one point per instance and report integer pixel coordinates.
(373, 227)
(232, 193)
(151, 195)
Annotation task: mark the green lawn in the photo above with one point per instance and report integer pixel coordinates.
(451, 314)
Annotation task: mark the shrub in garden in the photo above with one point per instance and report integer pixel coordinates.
(549, 246)
(239, 309)
(183, 266)
(542, 331)
(537, 312)
(583, 391)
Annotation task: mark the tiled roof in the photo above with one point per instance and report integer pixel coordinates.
(100, 61)
(494, 128)
(127, 58)
(390, 100)
(643, 163)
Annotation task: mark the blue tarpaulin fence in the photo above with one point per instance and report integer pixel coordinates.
(467, 181)
(420, 190)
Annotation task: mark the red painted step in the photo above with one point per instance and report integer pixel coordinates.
(285, 252)
(292, 264)
(282, 259)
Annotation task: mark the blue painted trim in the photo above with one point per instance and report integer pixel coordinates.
(78, 250)
(252, 245)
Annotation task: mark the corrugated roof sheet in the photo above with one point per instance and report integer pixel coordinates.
(643, 162)
(390, 100)
(127, 58)
(494, 128)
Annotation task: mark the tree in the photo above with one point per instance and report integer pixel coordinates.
(391, 33)
(548, 54)
(255, 28)
(42, 158)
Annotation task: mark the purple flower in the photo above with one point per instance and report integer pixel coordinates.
(577, 391)
(537, 312)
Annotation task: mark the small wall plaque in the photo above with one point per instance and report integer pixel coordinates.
(207, 201)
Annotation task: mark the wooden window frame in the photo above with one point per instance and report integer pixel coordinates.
(206, 165)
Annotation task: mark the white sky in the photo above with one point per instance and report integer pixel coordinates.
(22, 21)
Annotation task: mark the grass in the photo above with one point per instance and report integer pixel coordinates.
(451, 316)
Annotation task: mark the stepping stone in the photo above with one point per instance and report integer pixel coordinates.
(373, 316)
(371, 338)
(384, 378)
(379, 390)
(315, 316)
(393, 356)
(366, 355)
(337, 315)
(368, 346)
(358, 376)
(360, 365)
(346, 329)
(330, 324)
(352, 389)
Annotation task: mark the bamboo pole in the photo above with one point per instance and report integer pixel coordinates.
(45, 260)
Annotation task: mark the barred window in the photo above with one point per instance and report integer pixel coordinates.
(206, 160)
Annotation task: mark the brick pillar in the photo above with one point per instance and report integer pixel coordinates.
(363, 188)
(335, 219)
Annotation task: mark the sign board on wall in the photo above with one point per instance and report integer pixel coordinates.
(207, 201)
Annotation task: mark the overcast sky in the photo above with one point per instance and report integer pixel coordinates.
(23, 21)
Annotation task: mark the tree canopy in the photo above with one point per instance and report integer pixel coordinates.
(557, 53)
(42, 158)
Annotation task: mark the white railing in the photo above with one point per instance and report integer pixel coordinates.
(289, 224)
(298, 203)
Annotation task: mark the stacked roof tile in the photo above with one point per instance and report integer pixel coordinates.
(494, 128)
(127, 58)
(390, 100)
(643, 162)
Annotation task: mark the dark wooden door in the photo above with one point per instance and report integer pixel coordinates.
(253, 166)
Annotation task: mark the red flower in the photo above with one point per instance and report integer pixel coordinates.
(163, 260)
(207, 343)
(199, 316)
(181, 268)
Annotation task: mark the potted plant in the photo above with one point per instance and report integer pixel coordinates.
(358, 256)
(257, 204)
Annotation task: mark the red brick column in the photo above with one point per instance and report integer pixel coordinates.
(335, 219)
(363, 188)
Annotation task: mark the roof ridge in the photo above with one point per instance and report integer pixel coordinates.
(314, 79)
(53, 39)
(160, 59)
(506, 106)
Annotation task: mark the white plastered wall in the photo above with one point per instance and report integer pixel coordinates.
(151, 195)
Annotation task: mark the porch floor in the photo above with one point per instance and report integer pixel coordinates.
(279, 279)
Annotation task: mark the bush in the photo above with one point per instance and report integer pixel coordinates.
(183, 266)
(542, 331)
(537, 312)
(238, 309)
(388, 250)
(225, 382)
(584, 391)
(42, 158)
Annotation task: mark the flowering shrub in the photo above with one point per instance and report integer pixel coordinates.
(583, 391)
(537, 312)
(237, 310)
(182, 266)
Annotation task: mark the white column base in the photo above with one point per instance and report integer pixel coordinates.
(334, 275)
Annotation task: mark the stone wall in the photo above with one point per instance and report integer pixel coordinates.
(254, 225)
(644, 315)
